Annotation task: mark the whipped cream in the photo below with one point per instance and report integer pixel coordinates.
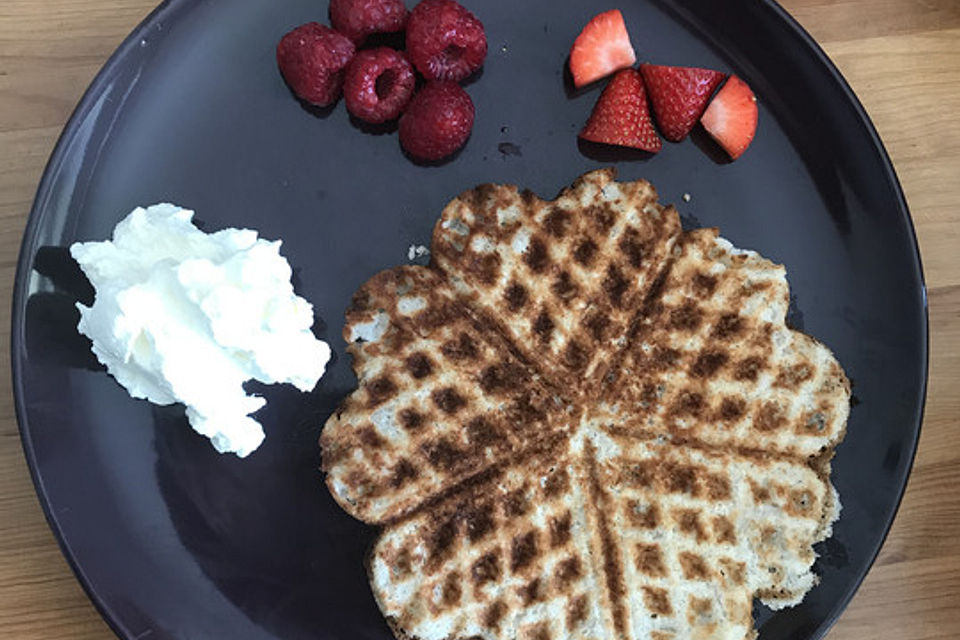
(185, 316)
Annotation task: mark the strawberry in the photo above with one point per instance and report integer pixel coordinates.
(601, 48)
(732, 117)
(621, 115)
(679, 96)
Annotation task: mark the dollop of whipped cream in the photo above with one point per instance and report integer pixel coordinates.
(185, 316)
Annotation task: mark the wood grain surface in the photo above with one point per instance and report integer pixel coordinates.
(902, 57)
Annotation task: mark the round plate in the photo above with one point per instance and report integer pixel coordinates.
(173, 540)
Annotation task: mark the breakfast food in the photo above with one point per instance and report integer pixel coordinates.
(602, 47)
(679, 96)
(581, 421)
(185, 316)
(437, 122)
(445, 41)
(312, 59)
(731, 117)
(621, 116)
(358, 19)
(378, 85)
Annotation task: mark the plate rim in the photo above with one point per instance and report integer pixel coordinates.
(891, 175)
(17, 341)
(169, 8)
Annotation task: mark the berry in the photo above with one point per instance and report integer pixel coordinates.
(437, 121)
(445, 41)
(621, 116)
(312, 59)
(678, 96)
(601, 48)
(378, 84)
(357, 19)
(732, 117)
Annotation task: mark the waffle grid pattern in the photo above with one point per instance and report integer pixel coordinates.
(582, 422)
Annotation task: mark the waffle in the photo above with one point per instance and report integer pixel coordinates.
(562, 280)
(712, 361)
(437, 403)
(644, 469)
(607, 536)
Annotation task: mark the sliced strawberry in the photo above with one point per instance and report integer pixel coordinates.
(732, 117)
(601, 48)
(679, 96)
(621, 115)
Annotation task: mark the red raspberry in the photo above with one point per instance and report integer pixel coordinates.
(312, 58)
(378, 84)
(437, 121)
(444, 40)
(357, 19)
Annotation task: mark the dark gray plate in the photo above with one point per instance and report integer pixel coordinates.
(172, 540)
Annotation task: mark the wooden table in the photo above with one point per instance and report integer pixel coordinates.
(902, 57)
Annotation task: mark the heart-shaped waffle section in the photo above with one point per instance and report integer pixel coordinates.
(582, 422)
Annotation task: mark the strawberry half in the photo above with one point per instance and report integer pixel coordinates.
(732, 117)
(601, 48)
(679, 96)
(621, 115)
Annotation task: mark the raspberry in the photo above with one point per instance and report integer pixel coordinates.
(378, 84)
(312, 58)
(437, 121)
(444, 40)
(357, 19)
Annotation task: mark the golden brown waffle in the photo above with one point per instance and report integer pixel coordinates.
(562, 279)
(648, 488)
(606, 537)
(437, 403)
(712, 361)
